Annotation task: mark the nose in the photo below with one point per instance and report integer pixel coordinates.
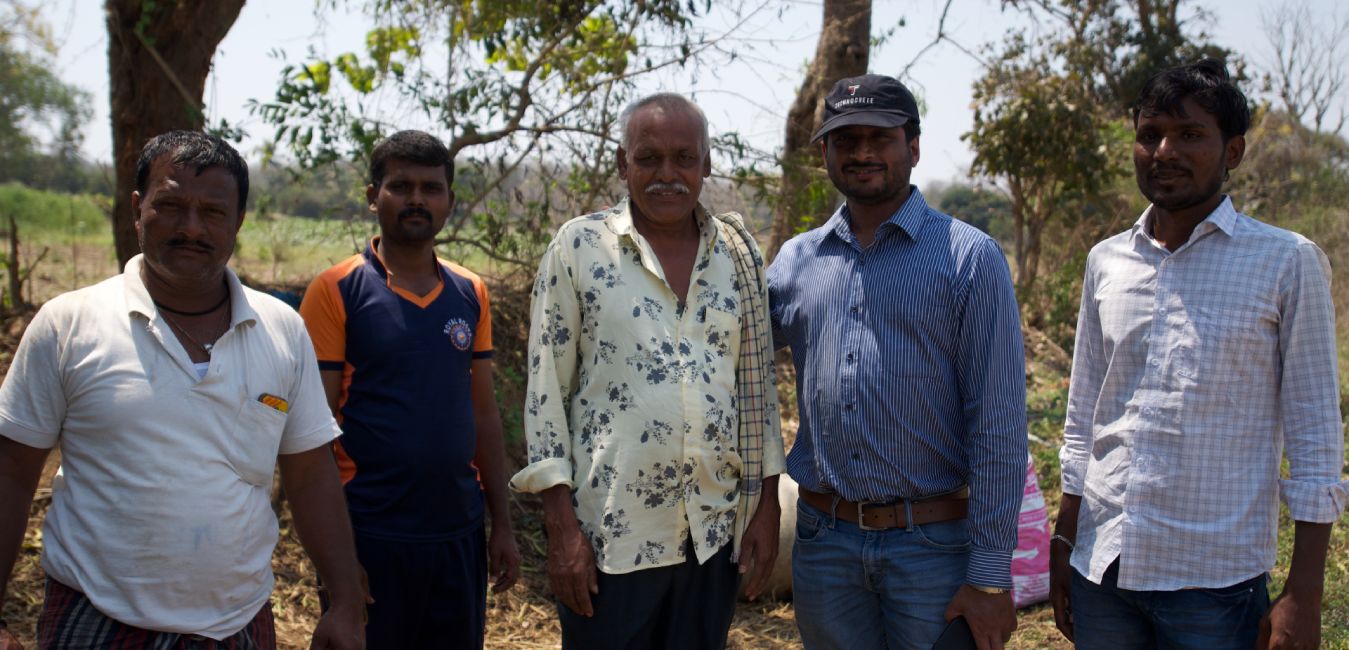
(665, 172)
(865, 149)
(1166, 148)
(193, 223)
(417, 197)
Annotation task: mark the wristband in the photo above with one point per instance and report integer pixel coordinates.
(1065, 540)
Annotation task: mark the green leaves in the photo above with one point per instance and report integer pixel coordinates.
(513, 86)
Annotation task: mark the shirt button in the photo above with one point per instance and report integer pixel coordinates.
(856, 309)
(1155, 363)
(849, 357)
(847, 407)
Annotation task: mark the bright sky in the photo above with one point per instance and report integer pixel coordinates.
(751, 97)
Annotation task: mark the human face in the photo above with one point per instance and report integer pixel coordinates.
(1180, 160)
(666, 164)
(870, 165)
(412, 203)
(187, 222)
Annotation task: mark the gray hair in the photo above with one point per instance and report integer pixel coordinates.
(665, 101)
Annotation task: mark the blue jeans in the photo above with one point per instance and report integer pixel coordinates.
(855, 589)
(1107, 617)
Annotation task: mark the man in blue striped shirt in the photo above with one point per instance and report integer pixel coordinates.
(906, 338)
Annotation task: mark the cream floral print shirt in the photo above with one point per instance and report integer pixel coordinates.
(631, 396)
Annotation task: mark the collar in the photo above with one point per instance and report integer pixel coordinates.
(371, 255)
(138, 299)
(909, 218)
(619, 218)
(1223, 218)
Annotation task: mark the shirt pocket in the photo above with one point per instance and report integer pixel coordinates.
(256, 441)
(1235, 343)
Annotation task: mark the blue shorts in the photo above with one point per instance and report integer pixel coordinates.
(427, 594)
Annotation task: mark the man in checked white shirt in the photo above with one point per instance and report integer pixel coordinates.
(1205, 347)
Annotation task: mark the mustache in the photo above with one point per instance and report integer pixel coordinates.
(414, 212)
(185, 242)
(1161, 168)
(667, 187)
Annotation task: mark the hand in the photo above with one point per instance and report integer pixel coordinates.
(8, 641)
(1293, 623)
(760, 544)
(992, 617)
(503, 558)
(340, 628)
(571, 569)
(1060, 586)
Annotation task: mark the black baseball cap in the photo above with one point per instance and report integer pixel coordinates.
(868, 100)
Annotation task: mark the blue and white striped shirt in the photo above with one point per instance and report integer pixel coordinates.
(910, 370)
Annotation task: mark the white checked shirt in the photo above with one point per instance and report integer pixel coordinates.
(1193, 371)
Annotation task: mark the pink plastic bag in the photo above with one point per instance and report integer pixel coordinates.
(1030, 561)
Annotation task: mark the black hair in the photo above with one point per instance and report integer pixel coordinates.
(195, 149)
(1206, 82)
(416, 147)
(912, 130)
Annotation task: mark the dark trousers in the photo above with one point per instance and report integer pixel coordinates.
(687, 606)
(1106, 617)
(427, 594)
(70, 622)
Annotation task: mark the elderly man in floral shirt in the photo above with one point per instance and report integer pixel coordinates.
(651, 416)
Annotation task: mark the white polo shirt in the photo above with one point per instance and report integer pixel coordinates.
(163, 514)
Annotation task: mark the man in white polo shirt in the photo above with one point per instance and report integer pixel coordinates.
(173, 392)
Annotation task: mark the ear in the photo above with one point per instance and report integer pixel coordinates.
(914, 151)
(451, 209)
(136, 206)
(1235, 150)
(371, 193)
(622, 163)
(241, 223)
(707, 165)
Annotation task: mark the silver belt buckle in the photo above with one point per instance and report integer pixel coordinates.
(862, 516)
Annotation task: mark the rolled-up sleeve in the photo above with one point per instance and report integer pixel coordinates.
(991, 367)
(1309, 392)
(1084, 389)
(554, 329)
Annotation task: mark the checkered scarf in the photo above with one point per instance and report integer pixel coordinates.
(756, 390)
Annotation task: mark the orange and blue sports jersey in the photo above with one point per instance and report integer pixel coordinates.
(408, 435)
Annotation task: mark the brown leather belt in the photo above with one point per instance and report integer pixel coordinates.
(880, 516)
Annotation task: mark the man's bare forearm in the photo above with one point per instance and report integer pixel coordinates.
(20, 468)
(314, 490)
(1307, 572)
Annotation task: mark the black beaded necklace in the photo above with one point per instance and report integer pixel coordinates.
(214, 307)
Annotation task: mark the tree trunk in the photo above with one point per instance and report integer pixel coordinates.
(158, 57)
(843, 50)
(1019, 228)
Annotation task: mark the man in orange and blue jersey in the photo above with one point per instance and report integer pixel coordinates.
(404, 343)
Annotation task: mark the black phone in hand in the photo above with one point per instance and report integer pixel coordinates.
(956, 636)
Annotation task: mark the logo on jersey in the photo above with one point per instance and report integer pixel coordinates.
(461, 335)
